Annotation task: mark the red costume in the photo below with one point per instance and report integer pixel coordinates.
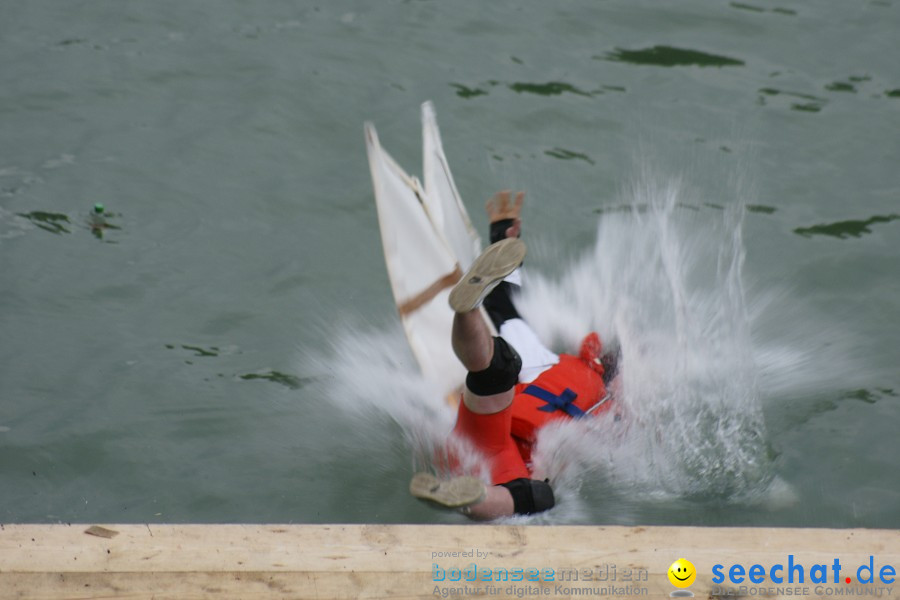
(565, 390)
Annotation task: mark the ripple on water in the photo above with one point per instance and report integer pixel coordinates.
(287, 380)
(48, 221)
(840, 86)
(801, 412)
(845, 229)
(563, 154)
(641, 208)
(466, 92)
(667, 56)
(760, 9)
(750, 7)
(812, 104)
(851, 84)
(551, 88)
(760, 208)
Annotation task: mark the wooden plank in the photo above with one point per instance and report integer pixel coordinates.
(398, 561)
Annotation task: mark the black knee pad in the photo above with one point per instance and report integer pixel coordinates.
(530, 496)
(501, 375)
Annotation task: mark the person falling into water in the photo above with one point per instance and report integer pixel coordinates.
(514, 386)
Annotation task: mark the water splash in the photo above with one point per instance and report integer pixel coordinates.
(664, 284)
(373, 376)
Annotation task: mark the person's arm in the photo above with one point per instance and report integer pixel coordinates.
(504, 213)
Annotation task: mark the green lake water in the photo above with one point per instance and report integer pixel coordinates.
(181, 366)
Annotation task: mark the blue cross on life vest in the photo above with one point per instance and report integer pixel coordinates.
(563, 402)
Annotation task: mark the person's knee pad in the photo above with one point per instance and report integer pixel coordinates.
(501, 375)
(530, 496)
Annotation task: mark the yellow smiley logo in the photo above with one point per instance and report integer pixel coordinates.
(682, 573)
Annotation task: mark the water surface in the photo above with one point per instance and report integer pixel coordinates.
(183, 365)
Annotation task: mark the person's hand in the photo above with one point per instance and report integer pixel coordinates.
(500, 207)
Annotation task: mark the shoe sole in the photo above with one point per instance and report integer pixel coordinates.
(457, 492)
(496, 262)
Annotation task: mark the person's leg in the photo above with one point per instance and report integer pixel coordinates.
(492, 364)
(504, 214)
(497, 503)
(485, 412)
(476, 349)
(484, 419)
(493, 368)
(485, 415)
(472, 341)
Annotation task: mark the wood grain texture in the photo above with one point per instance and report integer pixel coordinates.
(396, 561)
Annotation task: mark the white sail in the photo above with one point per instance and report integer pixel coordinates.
(444, 204)
(421, 265)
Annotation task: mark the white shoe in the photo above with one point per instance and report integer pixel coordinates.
(492, 265)
(457, 492)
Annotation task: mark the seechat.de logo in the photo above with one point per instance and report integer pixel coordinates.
(682, 574)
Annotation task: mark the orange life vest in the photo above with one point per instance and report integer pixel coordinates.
(565, 390)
